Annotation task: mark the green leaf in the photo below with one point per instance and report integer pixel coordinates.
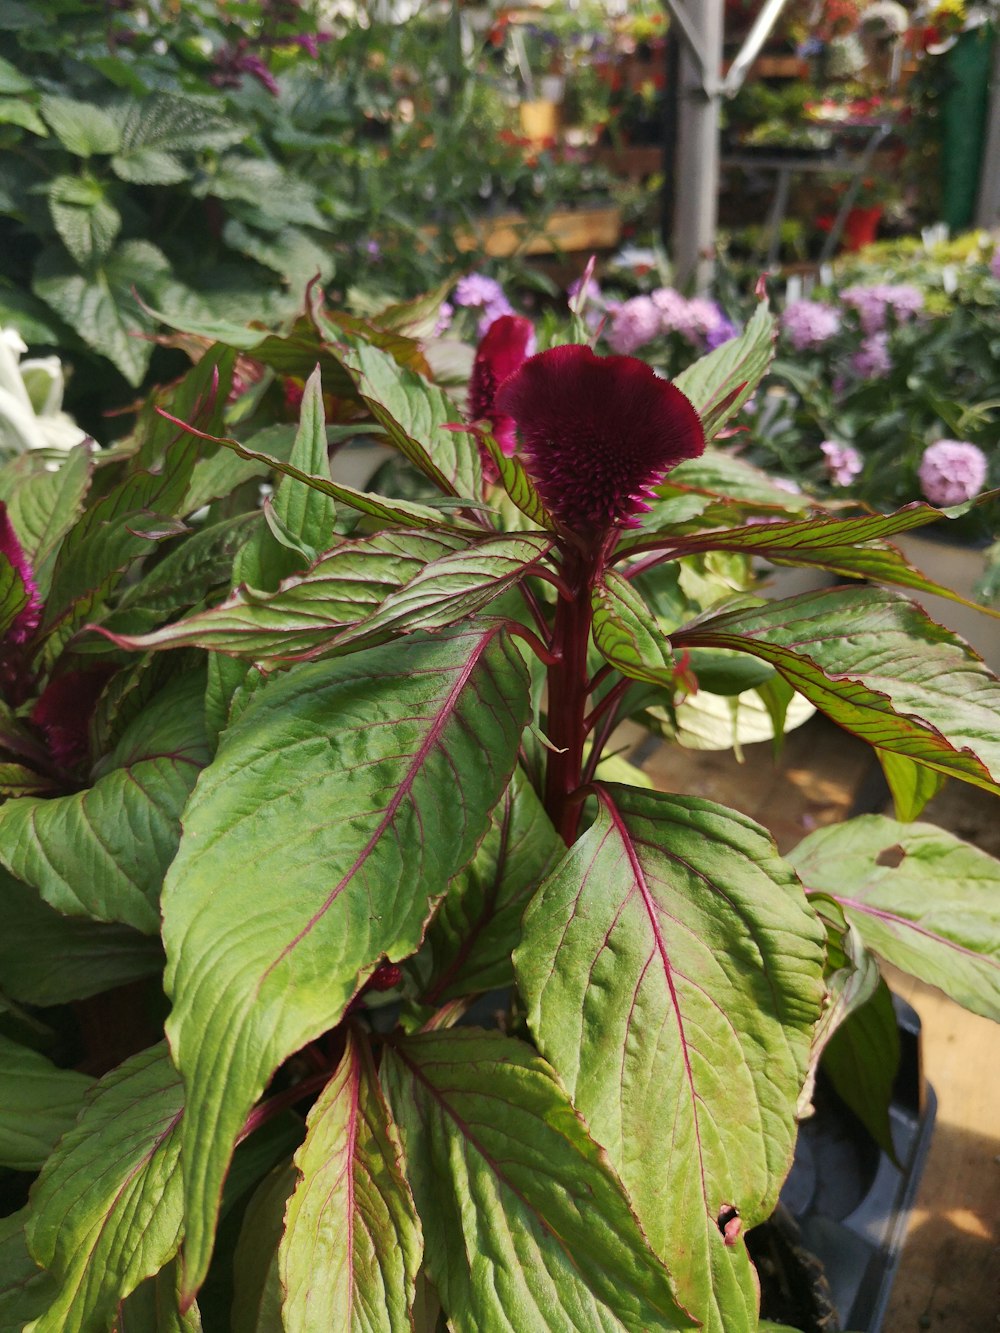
(87, 222)
(256, 1287)
(912, 785)
(672, 974)
(18, 111)
(720, 474)
(352, 1245)
(843, 545)
(470, 941)
(306, 614)
(157, 128)
(525, 1224)
(44, 505)
(12, 81)
(102, 852)
(919, 897)
(626, 633)
(414, 415)
(25, 1289)
(517, 484)
(297, 255)
(100, 306)
(154, 1307)
(305, 515)
(720, 383)
(396, 513)
(48, 959)
(39, 1103)
(82, 128)
(879, 667)
(106, 1211)
(851, 977)
(454, 587)
(861, 1059)
(317, 841)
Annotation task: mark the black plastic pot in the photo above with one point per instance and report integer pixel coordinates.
(846, 1203)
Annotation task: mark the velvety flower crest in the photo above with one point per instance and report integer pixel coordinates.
(598, 433)
(505, 347)
(952, 471)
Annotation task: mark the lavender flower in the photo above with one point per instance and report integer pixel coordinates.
(446, 312)
(597, 434)
(722, 333)
(873, 303)
(952, 471)
(809, 323)
(635, 323)
(843, 463)
(872, 358)
(476, 289)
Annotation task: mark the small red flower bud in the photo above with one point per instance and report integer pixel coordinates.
(386, 977)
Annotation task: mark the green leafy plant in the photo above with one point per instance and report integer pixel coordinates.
(459, 1028)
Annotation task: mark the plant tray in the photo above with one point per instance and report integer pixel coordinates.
(851, 1202)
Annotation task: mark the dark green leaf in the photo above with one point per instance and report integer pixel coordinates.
(82, 127)
(43, 505)
(25, 1289)
(106, 1211)
(38, 1104)
(626, 633)
(861, 1059)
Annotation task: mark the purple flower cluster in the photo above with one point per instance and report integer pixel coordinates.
(875, 303)
(843, 462)
(809, 324)
(872, 358)
(639, 320)
(952, 471)
(477, 291)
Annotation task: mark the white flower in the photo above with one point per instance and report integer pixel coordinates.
(31, 394)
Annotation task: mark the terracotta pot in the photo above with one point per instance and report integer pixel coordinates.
(861, 227)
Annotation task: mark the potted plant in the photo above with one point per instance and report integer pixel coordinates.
(363, 787)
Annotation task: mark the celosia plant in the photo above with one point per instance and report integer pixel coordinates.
(336, 775)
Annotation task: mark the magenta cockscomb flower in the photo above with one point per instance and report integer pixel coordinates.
(506, 346)
(809, 324)
(598, 433)
(952, 471)
(635, 323)
(843, 462)
(62, 713)
(26, 620)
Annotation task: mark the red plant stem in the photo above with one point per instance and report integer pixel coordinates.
(568, 688)
(281, 1101)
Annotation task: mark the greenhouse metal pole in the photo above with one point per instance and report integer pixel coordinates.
(696, 189)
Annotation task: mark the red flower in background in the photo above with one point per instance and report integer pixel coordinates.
(598, 433)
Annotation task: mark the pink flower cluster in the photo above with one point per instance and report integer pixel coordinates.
(639, 320)
(843, 462)
(809, 323)
(872, 358)
(875, 303)
(952, 471)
